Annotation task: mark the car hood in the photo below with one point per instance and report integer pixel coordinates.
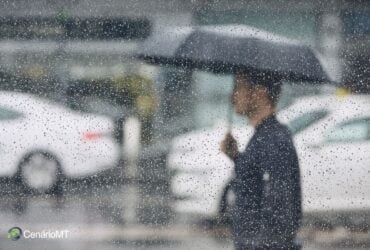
(197, 149)
(210, 138)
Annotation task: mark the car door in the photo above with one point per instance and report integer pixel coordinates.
(10, 128)
(307, 130)
(345, 156)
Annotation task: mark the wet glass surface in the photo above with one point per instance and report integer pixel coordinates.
(114, 119)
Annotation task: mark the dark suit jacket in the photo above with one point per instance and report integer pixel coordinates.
(267, 187)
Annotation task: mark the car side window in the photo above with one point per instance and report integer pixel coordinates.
(305, 120)
(355, 130)
(8, 114)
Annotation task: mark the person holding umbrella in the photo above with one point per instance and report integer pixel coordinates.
(267, 184)
(267, 210)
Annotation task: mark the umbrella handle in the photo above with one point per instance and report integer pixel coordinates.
(230, 117)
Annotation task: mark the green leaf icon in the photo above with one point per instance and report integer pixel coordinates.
(14, 233)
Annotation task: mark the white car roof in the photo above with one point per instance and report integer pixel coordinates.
(27, 103)
(342, 105)
(18, 97)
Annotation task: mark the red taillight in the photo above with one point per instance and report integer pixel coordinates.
(91, 136)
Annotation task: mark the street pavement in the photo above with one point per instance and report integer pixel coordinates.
(94, 217)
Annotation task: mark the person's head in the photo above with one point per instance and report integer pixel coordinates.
(252, 94)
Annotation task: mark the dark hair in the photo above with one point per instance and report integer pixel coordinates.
(274, 92)
(270, 81)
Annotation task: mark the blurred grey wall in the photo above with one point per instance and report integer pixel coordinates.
(330, 26)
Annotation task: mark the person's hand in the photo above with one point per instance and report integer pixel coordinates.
(229, 146)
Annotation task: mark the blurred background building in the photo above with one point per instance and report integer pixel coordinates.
(78, 50)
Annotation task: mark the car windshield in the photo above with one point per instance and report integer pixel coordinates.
(306, 120)
(8, 114)
(350, 131)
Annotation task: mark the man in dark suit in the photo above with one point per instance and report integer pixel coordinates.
(267, 210)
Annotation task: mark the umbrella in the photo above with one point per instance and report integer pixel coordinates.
(225, 49)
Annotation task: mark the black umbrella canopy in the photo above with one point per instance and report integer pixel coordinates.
(231, 48)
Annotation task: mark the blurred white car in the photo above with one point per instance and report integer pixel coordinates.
(332, 136)
(41, 142)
